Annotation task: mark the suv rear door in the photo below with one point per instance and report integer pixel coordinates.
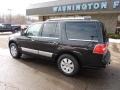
(49, 40)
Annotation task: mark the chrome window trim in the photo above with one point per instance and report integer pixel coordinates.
(49, 37)
(83, 40)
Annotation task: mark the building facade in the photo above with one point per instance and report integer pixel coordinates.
(107, 11)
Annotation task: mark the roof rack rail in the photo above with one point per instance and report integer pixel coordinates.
(71, 18)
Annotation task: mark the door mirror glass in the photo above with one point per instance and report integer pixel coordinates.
(23, 32)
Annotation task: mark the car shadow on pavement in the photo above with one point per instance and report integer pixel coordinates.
(102, 78)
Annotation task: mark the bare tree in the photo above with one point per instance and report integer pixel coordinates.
(16, 19)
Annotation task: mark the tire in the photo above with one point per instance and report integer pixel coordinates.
(14, 31)
(68, 65)
(14, 51)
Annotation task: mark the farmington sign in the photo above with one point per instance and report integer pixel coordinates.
(87, 6)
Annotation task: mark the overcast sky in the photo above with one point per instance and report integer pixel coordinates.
(17, 6)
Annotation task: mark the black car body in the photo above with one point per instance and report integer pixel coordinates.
(72, 43)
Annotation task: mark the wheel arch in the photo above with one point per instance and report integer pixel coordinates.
(18, 49)
(12, 41)
(74, 54)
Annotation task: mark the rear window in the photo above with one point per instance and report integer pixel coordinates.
(81, 30)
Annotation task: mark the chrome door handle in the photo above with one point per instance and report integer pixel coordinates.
(53, 43)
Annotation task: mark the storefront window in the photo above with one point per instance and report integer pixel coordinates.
(118, 26)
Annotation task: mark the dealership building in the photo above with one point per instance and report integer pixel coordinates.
(107, 11)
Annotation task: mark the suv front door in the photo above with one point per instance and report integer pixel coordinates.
(28, 40)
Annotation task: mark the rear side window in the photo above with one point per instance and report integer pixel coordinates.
(50, 29)
(81, 30)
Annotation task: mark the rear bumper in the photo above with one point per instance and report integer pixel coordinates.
(106, 58)
(96, 61)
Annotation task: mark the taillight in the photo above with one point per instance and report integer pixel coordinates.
(100, 48)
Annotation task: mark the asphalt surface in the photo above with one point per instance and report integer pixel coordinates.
(30, 73)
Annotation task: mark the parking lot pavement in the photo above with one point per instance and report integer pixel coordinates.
(29, 73)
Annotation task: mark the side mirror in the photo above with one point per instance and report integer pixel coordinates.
(23, 33)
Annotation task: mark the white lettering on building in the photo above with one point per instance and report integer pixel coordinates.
(104, 5)
(96, 6)
(116, 4)
(90, 6)
(83, 6)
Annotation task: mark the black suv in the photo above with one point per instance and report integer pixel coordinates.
(72, 43)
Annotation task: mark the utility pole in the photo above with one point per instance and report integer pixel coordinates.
(3, 18)
(10, 17)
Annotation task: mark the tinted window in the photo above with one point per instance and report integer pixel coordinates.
(1, 26)
(33, 30)
(50, 30)
(7, 26)
(104, 32)
(81, 30)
